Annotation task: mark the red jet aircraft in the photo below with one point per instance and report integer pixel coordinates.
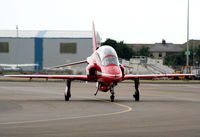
(104, 68)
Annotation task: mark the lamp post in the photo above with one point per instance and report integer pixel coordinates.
(187, 52)
(17, 30)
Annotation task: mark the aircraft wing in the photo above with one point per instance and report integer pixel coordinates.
(154, 76)
(18, 65)
(8, 65)
(73, 77)
(26, 65)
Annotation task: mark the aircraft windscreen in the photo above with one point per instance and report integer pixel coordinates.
(104, 51)
(107, 55)
(109, 60)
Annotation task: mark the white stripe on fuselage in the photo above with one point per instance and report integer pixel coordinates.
(105, 74)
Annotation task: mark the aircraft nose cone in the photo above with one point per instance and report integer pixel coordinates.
(112, 73)
(114, 70)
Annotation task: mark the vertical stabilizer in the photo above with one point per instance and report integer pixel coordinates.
(94, 40)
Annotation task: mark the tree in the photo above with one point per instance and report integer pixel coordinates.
(195, 50)
(180, 58)
(175, 60)
(144, 51)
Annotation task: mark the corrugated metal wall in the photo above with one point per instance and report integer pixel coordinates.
(43, 51)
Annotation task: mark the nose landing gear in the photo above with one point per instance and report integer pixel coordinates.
(112, 97)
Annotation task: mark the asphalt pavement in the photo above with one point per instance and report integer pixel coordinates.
(38, 109)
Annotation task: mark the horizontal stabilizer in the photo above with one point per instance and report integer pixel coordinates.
(70, 64)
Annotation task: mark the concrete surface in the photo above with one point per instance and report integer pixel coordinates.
(38, 109)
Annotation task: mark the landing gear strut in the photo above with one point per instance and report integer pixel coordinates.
(98, 86)
(112, 97)
(137, 91)
(68, 90)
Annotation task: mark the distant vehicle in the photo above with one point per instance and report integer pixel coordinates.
(187, 70)
(104, 68)
(15, 67)
(198, 74)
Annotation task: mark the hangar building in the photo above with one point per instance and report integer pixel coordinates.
(46, 48)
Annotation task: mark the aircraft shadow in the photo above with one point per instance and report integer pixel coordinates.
(107, 100)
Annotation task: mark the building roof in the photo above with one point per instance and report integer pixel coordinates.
(167, 47)
(160, 47)
(44, 34)
(138, 46)
(192, 42)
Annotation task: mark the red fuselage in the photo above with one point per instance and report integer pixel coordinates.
(104, 67)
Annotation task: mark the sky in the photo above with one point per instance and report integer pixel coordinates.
(131, 21)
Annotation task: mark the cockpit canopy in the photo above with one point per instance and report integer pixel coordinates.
(107, 55)
(109, 60)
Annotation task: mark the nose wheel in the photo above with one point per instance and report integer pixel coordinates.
(112, 97)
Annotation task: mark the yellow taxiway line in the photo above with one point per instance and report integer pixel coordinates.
(127, 109)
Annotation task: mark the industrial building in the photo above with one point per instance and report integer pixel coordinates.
(45, 48)
(160, 50)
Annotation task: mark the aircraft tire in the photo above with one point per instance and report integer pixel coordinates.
(66, 98)
(112, 98)
(137, 97)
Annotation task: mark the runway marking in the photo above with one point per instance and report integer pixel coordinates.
(127, 109)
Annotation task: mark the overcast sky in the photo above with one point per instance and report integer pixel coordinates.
(131, 21)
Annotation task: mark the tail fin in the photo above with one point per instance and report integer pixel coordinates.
(95, 46)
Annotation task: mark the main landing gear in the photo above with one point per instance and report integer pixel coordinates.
(136, 96)
(137, 91)
(112, 97)
(67, 92)
(98, 86)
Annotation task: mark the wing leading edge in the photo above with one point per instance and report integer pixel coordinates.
(154, 76)
(73, 77)
(85, 78)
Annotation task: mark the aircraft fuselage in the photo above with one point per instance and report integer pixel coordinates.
(104, 68)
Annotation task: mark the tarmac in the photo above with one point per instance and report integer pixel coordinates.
(38, 109)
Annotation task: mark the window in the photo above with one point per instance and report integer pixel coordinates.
(160, 55)
(68, 48)
(4, 48)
